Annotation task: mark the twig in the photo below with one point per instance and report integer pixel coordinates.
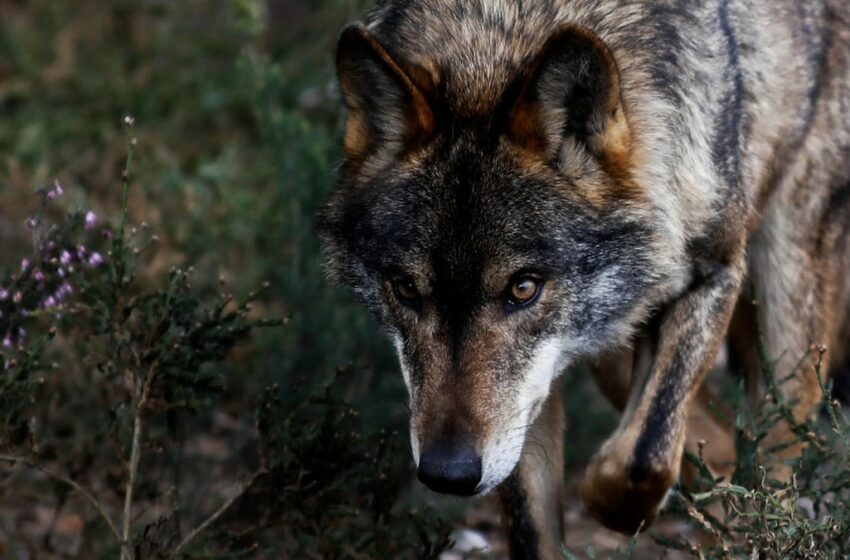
(135, 456)
(218, 513)
(73, 484)
(125, 175)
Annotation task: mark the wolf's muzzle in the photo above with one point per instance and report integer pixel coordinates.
(450, 469)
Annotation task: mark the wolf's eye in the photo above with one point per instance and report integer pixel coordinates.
(524, 291)
(406, 292)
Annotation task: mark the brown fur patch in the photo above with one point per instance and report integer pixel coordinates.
(415, 83)
(611, 146)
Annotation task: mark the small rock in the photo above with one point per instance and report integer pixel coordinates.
(465, 542)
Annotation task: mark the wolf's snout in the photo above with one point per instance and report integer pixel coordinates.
(450, 469)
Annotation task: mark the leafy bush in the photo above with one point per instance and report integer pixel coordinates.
(131, 363)
(755, 516)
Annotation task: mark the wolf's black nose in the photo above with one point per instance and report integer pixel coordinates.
(450, 469)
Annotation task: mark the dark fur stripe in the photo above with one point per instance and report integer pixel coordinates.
(727, 152)
(523, 539)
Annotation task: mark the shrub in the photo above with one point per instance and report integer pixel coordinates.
(102, 374)
(804, 518)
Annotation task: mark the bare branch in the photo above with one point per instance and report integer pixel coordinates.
(218, 513)
(135, 457)
(73, 484)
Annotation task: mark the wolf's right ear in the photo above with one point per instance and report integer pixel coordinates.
(388, 108)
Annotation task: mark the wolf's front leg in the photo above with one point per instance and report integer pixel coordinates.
(532, 508)
(633, 471)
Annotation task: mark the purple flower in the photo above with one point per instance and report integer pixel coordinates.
(91, 219)
(39, 276)
(65, 257)
(7, 342)
(4, 293)
(51, 195)
(25, 264)
(60, 272)
(81, 252)
(31, 222)
(22, 332)
(49, 301)
(95, 260)
(66, 289)
(57, 188)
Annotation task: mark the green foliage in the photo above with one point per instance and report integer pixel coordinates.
(149, 353)
(152, 360)
(756, 516)
(334, 512)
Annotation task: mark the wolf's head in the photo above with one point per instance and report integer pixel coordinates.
(493, 248)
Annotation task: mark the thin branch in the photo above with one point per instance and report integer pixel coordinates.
(218, 513)
(73, 484)
(131, 481)
(125, 175)
(135, 457)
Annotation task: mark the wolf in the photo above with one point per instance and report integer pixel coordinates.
(531, 184)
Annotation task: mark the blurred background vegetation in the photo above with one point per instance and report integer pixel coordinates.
(237, 131)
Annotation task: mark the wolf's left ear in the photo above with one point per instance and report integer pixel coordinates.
(386, 98)
(572, 90)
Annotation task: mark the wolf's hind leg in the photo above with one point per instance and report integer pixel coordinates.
(532, 497)
(800, 302)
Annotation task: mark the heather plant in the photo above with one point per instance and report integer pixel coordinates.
(143, 352)
(752, 515)
(806, 518)
(337, 487)
(103, 369)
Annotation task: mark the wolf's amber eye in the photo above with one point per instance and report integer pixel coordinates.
(405, 290)
(524, 290)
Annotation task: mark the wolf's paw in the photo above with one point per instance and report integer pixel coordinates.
(624, 496)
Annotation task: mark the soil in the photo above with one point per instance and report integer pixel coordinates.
(585, 538)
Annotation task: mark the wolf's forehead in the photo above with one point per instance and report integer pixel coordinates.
(465, 209)
(478, 45)
(463, 238)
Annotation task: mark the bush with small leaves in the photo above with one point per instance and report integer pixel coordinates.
(763, 518)
(100, 371)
